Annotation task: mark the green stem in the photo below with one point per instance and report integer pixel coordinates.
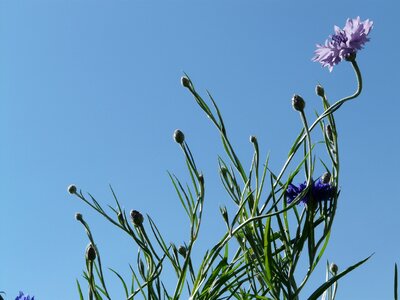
(310, 168)
(91, 282)
(326, 113)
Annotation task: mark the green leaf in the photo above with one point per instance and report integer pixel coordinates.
(178, 188)
(79, 290)
(319, 291)
(267, 253)
(122, 281)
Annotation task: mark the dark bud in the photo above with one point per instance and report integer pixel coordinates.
(253, 139)
(319, 90)
(121, 218)
(326, 177)
(179, 137)
(90, 253)
(223, 170)
(329, 133)
(334, 268)
(72, 189)
(137, 218)
(351, 57)
(78, 217)
(201, 179)
(182, 251)
(185, 82)
(298, 103)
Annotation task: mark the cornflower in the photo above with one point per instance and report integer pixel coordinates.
(343, 43)
(319, 191)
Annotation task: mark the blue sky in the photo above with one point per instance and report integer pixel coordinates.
(90, 94)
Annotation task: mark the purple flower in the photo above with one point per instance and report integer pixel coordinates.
(344, 42)
(319, 191)
(23, 297)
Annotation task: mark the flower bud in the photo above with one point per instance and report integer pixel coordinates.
(319, 90)
(298, 103)
(223, 170)
(334, 268)
(253, 139)
(182, 251)
(201, 179)
(120, 217)
(328, 132)
(78, 217)
(179, 137)
(326, 177)
(90, 253)
(185, 81)
(72, 189)
(137, 218)
(351, 57)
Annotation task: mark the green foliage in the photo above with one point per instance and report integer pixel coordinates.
(265, 239)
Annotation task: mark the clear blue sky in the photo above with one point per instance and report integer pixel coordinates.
(90, 94)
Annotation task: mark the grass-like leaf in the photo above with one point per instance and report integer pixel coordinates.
(320, 290)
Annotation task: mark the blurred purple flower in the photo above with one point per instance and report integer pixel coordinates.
(23, 297)
(319, 191)
(344, 42)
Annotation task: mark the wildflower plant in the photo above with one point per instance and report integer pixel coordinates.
(277, 225)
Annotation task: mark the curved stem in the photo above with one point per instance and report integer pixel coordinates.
(326, 113)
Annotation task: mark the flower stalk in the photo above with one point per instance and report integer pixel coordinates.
(265, 240)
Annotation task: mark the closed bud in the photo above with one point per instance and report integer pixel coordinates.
(185, 81)
(253, 139)
(121, 218)
(298, 103)
(201, 179)
(137, 218)
(334, 268)
(78, 217)
(179, 137)
(326, 177)
(72, 189)
(182, 251)
(319, 90)
(223, 170)
(351, 57)
(90, 253)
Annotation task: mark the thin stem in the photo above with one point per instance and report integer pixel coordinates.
(327, 112)
(91, 280)
(310, 168)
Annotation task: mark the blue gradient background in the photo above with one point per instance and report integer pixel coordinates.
(90, 94)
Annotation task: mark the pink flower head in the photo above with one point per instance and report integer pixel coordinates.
(343, 42)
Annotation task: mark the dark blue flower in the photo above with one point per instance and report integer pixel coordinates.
(319, 191)
(293, 191)
(23, 297)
